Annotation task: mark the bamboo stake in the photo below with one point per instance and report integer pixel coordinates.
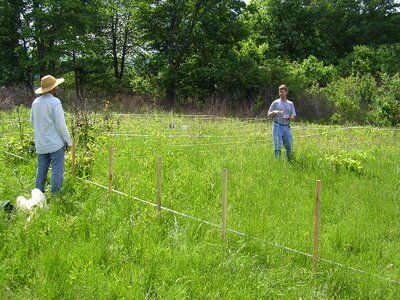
(316, 225)
(224, 204)
(2, 123)
(110, 169)
(159, 162)
(73, 156)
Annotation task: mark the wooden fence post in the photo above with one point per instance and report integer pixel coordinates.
(224, 204)
(73, 156)
(316, 225)
(159, 162)
(110, 169)
(2, 122)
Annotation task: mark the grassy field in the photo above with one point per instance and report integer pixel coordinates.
(90, 244)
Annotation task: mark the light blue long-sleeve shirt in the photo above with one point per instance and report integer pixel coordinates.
(47, 118)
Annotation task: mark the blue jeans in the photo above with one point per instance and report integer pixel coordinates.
(57, 170)
(282, 134)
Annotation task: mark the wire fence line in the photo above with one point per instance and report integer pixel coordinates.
(15, 155)
(230, 145)
(242, 233)
(248, 143)
(172, 136)
(193, 116)
(181, 151)
(182, 116)
(12, 121)
(262, 140)
(194, 135)
(250, 120)
(255, 120)
(257, 140)
(199, 136)
(326, 132)
(13, 133)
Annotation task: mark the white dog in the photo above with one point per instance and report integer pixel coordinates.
(38, 200)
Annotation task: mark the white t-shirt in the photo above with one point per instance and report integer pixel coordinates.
(286, 106)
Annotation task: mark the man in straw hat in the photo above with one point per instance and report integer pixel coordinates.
(51, 134)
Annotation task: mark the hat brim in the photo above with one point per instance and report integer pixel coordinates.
(45, 90)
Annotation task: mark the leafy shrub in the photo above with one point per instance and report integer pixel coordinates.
(386, 108)
(362, 61)
(350, 162)
(342, 94)
(352, 97)
(390, 58)
(89, 140)
(370, 60)
(23, 146)
(315, 73)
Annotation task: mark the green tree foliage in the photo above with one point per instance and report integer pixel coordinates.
(11, 47)
(327, 29)
(386, 108)
(360, 99)
(293, 28)
(180, 36)
(380, 22)
(371, 60)
(119, 32)
(70, 38)
(194, 51)
(363, 60)
(50, 36)
(250, 68)
(347, 96)
(315, 73)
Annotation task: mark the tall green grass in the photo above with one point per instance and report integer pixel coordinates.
(89, 244)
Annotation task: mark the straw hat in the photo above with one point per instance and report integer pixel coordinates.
(47, 83)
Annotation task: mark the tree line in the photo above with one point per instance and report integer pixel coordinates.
(340, 58)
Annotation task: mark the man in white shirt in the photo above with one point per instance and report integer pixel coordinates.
(51, 134)
(282, 110)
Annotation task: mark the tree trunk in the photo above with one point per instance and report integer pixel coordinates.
(124, 51)
(76, 77)
(114, 21)
(170, 94)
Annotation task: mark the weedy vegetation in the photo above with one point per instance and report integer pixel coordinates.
(92, 244)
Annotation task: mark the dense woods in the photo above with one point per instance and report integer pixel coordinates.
(340, 58)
